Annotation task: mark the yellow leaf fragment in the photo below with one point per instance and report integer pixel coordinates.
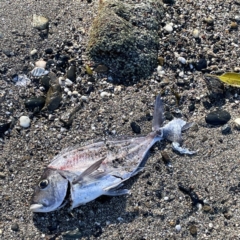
(230, 78)
(89, 70)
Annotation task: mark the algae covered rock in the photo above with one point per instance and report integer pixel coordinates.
(124, 37)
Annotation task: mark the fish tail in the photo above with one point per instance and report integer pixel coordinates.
(158, 118)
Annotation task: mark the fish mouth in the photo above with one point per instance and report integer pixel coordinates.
(35, 207)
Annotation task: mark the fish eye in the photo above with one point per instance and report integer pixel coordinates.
(43, 184)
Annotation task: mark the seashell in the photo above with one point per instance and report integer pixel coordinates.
(38, 72)
(21, 80)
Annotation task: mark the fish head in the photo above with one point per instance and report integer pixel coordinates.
(50, 192)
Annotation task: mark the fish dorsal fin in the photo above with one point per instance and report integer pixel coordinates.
(158, 118)
(88, 171)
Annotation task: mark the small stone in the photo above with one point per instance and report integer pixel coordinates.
(165, 157)
(24, 121)
(193, 230)
(209, 21)
(219, 117)
(135, 127)
(210, 225)
(195, 33)
(40, 22)
(233, 25)
(2, 175)
(182, 60)
(14, 227)
(227, 215)
(206, 208)
(226, 129)
(101, 68)
(68, 82)
(202, 64)
(160, 61)
(178, 228)
(8, 52)
(104, 94)
(160, 71)
(40, 64)
(49, 51)
(237, 123)
(71, 73)
(33, 52)
(168, 27)
(166, 198)
(35, 102)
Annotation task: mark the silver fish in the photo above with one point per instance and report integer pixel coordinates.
(81, 174)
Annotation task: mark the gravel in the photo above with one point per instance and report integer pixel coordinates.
(156, 205)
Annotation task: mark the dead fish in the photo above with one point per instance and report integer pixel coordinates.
(38, 72)
(81, 174)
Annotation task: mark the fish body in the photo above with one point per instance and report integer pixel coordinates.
(81, 174)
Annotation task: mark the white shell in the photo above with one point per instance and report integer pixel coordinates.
(38, 72)
(22, 80)
(24, 121)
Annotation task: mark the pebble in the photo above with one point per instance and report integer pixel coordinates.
(237, 123)
(178, 227)
(193, 230)
(40, 64)
(24, 121)
(68, 82)
(15, 227)
(210, 225)
(226, 129)
(2, 175)
(49, 51)
(22, 80)
(233, 25)
(160, 61)
(101, 68)
(219, 117)
(135, 127)
(71, 73)
(104, 94)
(35, 102)
(84, 98)
(4, 126)
(40, 22)
(195, 33)
(182, 60)
(168, 27)
(202, 63)
(166, 198)
(209, 21)
(33, 52)
(160, 71)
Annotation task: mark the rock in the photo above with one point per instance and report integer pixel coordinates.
(168, 27)
(54, 94)
(193, 230)
(234, 25)
(41, 64)
(218, 117)
(15, 227)
(2, 175)
(214, 85)
(165, 157)
(4, 125)
(209, 21)
(160, 61)
(101, 68)
(24, 121)
(226, 129)
(114, 37)
(178, 228)
(8, 52)
(105, 94)
(35, 102)
(202, 64)
(135, 127)
(195, 33)
(40, 22)
(207, 208)
(71, 73)
(182, 60)
(169, 1)
(33, 52)
(49, 51)
(237, 123)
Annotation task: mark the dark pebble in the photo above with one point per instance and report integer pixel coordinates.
(4, 126)
(45, 80)
(165, 157)
(35, 102)
(218, 117)
(135, 127)
(8, 52)
(50, 62)
(71, 73)
(226, 129)
(202, 63)
(168, 116)
(193, 230)
(101, 68)
(15, 227)
(49, 51)
(191, 107)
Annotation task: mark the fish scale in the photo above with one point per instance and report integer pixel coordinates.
(100, 168)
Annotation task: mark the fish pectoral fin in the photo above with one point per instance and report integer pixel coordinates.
(187, 126)
(116, 192)
(88, 171)
(176, 146)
